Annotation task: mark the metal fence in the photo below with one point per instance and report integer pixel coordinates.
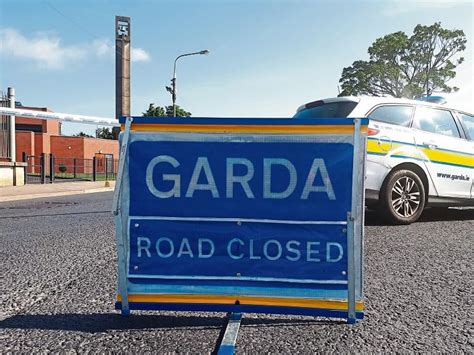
(46, 168)
(35, 172)
(4, 128)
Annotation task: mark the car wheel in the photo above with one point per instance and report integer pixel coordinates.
(403, 198)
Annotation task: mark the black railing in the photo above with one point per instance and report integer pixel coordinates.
(47, 168)
(4, 128)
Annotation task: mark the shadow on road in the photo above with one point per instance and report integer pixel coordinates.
(429, 215)
(102, 322)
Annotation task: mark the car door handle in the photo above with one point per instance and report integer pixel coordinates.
(430, 145)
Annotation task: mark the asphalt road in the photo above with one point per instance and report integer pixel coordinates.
(58, 277)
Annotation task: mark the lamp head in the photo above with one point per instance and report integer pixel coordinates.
(204, 52)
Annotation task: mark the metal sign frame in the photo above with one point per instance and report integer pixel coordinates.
(137, 128)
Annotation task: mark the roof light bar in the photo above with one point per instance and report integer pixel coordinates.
(433, 99)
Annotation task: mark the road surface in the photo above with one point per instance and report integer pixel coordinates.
(58, 272)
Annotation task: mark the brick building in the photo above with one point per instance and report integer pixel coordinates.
(36, 136)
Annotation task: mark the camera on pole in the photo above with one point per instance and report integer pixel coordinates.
(172, 89)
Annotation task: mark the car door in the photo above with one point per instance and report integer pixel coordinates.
(393, 141)
(394, 137)
(468, 122)
(445, 151)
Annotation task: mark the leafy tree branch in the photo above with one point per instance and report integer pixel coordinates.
(403, 66)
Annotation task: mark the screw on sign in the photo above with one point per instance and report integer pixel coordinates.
(241, 215)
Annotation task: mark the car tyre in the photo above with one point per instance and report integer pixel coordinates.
(403, 197)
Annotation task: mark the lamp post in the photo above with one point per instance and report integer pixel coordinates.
(172, 89)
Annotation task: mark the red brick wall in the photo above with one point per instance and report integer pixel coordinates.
(25, 142)
(38, 143)
(46, 144)
(42, 144)
(93, 146)
(67, 147)
(28, 120)
(47, 126)
(64, 146)
(51, 127)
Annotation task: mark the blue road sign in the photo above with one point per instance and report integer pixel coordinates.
(241, 215)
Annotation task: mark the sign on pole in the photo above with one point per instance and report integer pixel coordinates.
(241, 215)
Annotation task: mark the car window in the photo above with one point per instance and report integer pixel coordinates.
(395, 114)
(469, 123)
(435, 121)
(319, 109)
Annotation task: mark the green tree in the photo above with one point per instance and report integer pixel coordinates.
(154, 111)
(82, 134)
(167, 111)
(104, 133)
(180, 112)
(403, 66)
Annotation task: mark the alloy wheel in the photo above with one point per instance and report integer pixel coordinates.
(405, 197)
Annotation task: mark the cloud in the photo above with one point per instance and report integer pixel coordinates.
(47, 50)
(102, 47)
(139, 55)
(44, 48)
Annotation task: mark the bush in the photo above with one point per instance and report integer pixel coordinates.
(62, 168)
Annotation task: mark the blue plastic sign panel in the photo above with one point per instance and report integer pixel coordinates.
(264, 217)
(305, 181)
(300, 253)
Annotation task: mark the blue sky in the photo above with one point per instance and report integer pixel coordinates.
(267, 57)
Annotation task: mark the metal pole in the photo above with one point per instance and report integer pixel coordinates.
(43, 167)
(120, 227)
(352, 217)
(227, 345)
(106, 168)
(51, 168)
(173, 85)
(94, 169)
(11, 98)
(173, 81)
(25, 160)
(58, 116)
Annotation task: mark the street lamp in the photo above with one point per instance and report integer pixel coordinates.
(172, 89)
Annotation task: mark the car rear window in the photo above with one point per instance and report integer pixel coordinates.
(319, 109)
(469, 123)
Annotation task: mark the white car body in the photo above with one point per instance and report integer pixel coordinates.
(441, 153)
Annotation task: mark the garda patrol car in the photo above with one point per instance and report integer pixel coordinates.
(419, 153)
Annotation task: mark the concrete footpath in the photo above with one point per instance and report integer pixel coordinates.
(26, 192)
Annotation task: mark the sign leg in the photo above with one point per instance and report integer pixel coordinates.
(227, 345)
(120, 231)
(352, 216)
(122, 267)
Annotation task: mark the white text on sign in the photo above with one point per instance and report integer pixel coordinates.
(203, 168)
(272, 249)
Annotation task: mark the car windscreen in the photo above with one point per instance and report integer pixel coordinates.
(327, 110)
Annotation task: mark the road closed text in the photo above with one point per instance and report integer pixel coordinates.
(239, 249)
